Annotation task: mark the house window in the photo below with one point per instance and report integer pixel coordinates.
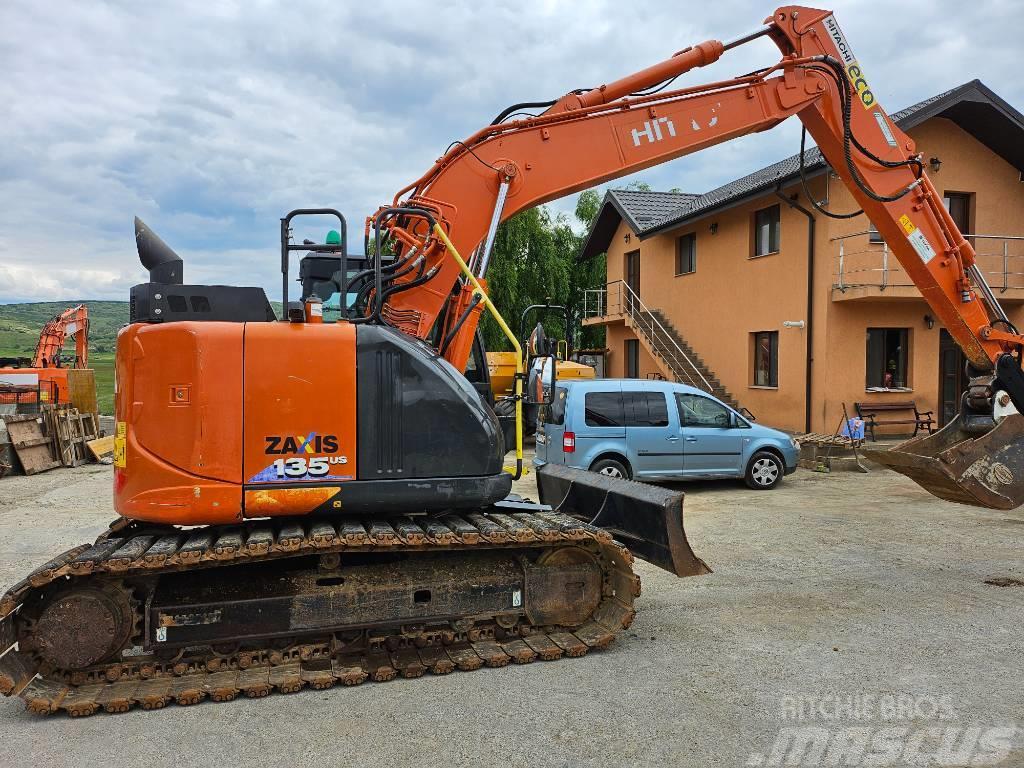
(874, 236)
(887, 358)
(766, 358)
(959, 206)
(632, 358)
(686, 254)
(766, 231)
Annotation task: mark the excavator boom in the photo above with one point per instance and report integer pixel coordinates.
(589, 137)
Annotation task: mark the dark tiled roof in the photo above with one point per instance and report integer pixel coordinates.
(644, 208)
(647, 212)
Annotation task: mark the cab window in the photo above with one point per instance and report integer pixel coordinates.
(697, 411)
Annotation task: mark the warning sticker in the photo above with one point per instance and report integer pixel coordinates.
(917, 239)
(120, 454)
(921, 245)
(120, 444)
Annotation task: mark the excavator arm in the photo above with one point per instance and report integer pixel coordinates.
(592, 136)
(71, 322)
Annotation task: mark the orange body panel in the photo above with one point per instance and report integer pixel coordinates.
(205, 408)
(300, 408)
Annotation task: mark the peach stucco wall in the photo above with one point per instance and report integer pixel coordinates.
(732, 294)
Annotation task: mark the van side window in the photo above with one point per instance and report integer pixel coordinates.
(603, 409)
(697, 411)
(645, 409)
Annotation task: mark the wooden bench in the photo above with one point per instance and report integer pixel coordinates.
(870, 413)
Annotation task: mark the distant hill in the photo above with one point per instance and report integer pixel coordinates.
(20, 324)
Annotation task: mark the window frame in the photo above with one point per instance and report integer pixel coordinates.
(691, 238)
(904, 358)
(775, 209)
(773, 359)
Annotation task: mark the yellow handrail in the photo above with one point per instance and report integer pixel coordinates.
(517, 383)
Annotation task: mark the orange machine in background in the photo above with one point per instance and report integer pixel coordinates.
(49, 376)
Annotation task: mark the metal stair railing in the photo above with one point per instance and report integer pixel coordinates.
(644, 320)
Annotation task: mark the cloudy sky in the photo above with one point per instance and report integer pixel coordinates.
(211, 119)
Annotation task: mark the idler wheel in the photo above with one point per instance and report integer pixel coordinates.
(81, 627)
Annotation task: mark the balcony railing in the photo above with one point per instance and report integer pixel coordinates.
(617, 298)
(860, 262)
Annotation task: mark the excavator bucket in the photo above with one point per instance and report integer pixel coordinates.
(646, 518)
(965, 465)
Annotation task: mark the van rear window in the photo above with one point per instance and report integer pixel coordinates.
(604, 409)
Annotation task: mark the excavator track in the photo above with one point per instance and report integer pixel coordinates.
(95, 590)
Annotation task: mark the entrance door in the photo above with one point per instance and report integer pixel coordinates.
(632, 348)
(952, 377)
(632, 273)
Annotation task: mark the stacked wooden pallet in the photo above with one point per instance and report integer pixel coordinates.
(59, 436)
(69, 430)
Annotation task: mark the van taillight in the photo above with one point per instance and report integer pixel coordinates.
(569, 442)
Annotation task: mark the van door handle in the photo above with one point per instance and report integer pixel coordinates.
(691, 439)
(672, 438)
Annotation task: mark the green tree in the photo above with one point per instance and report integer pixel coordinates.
(534, 261)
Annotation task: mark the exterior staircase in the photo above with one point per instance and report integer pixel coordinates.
(675, 357)
(667, 346)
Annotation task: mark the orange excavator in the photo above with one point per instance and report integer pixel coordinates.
(306, 503)
(44, 377)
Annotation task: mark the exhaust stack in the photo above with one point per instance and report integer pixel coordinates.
(164, 265)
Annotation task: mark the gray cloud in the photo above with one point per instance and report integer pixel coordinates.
(211, 119)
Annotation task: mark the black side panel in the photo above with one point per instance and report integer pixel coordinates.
(418, 417)
(161, 302)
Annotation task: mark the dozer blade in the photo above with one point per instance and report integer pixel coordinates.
(646, 518)
(964, 462)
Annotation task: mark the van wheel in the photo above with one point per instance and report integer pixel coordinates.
(764, 471)
(610, 468)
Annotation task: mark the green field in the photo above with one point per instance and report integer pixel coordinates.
(20, 325)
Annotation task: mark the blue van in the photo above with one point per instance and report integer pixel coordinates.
(658, 430)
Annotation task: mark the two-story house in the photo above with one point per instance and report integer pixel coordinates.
(748, 292)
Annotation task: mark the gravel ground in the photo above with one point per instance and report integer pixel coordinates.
(856, 589)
